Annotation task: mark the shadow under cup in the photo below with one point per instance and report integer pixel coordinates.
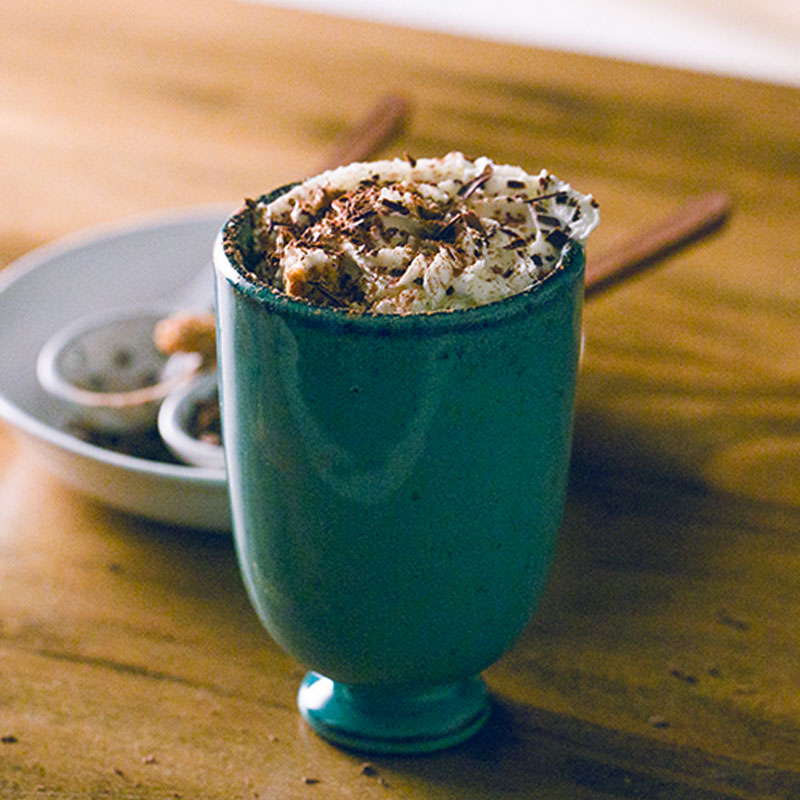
(397, 484)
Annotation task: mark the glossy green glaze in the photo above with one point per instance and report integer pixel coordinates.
(397, 482)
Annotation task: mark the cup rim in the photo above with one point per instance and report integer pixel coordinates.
(228, 242)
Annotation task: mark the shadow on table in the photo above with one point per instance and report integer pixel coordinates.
(535, 753)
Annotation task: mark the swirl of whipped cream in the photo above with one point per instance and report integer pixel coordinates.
(418, 235)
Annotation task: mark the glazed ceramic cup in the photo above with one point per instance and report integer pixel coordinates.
(397, 484)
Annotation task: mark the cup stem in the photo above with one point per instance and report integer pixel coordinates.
(405, 720)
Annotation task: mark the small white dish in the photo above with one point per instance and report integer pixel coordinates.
(108, 371)
(130, 265)
(178, 422)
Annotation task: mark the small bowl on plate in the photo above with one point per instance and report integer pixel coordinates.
(108, 371)
(188, 422)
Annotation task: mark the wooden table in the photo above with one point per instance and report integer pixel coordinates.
(664, 661)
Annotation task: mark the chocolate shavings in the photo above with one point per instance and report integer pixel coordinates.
(468, 189)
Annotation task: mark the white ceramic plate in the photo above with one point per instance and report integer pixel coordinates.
(133, 264)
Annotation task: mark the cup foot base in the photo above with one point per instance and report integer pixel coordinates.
(375, 720)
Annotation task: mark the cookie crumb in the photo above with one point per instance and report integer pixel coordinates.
(188, 332)
(9, 739)
(726, 618)
(658, 721)
(309, 780)
(368, 769)
(683, 676)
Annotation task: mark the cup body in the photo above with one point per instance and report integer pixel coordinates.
(397, 482)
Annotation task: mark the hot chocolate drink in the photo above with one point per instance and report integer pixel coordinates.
(398, 350)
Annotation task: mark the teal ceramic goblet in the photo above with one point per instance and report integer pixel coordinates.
(397, 484)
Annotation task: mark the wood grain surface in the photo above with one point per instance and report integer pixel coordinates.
(664, 661)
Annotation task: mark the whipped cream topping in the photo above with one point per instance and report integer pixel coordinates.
(414, 236)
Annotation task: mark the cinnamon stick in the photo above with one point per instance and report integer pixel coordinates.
(382, 123)
(695, 220)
